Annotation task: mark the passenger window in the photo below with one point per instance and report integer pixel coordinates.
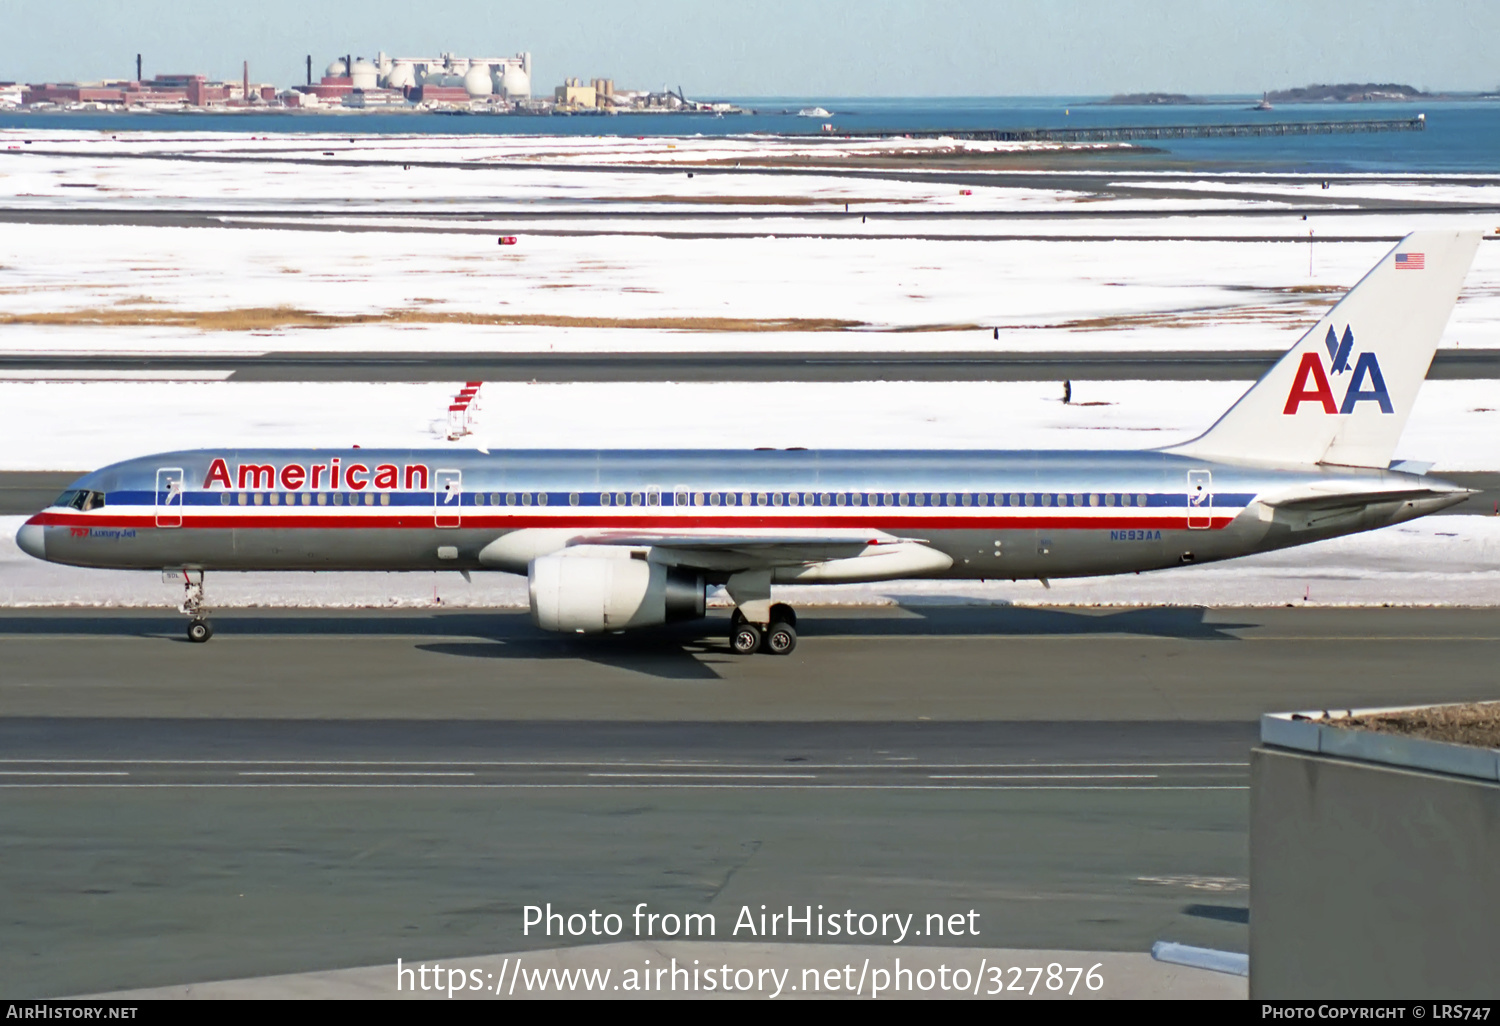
(223, 498)
(385, 498)
(526, 498)
(275, 498)
(840, 498)
(1140, 500)
(510, 498)
(322, 499)
(681, 499)
(338, 498)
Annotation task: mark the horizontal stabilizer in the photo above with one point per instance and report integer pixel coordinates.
(1321, 498)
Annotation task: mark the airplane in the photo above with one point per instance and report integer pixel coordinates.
(612, 540)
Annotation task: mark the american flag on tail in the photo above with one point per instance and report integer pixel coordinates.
(1410, 261)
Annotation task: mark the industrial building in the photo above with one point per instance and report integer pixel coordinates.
(161, 91)
(446, 79)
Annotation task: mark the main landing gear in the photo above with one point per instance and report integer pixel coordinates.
(199, 629)
(778, 637)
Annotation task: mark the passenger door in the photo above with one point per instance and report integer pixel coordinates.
(447, 498)
(169, 497)
(1200, 500)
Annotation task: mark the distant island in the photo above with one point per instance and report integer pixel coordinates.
(1347, 92)
(1350, 92)
(1144, 99)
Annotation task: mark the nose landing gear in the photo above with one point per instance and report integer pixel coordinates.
(199, 628)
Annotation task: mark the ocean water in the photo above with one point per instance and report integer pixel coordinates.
(1461, 136)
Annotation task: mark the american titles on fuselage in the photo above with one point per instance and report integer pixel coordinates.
(293, 476)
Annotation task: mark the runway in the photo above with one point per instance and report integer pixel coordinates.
(827, 366)
(325, 789)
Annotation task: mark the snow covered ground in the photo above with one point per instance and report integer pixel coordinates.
(83, 425)
(116, 288)
(399, 251)
(319, 255)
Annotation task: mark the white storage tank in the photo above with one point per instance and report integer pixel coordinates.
(364, 74)
(402, 76)
(515, 83)
(477, 80)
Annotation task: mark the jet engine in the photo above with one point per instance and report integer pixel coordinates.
(590, 594)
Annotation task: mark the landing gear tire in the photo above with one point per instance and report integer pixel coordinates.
(745, 638)
(200, 631)
(781, 638)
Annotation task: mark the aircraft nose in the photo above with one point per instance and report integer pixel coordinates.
(32, 540)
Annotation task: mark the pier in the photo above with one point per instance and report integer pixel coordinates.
(1134, 132)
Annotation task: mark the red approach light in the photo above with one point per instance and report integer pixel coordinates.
(507, 240)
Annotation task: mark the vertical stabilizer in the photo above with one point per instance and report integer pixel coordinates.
(1342, 394)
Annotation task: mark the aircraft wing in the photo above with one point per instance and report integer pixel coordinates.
(738, 539)
(822, 555)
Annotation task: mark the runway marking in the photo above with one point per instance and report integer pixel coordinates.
(1044, 776)
(543, 764)
(62, 376)
(685, 787)
(349, 773)
(706, 776)
(63, 773)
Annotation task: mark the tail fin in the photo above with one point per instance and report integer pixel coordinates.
(1342, 394)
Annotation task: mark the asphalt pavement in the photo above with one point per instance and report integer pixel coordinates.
(322, 789)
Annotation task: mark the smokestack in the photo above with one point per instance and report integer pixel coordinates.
(137, 67)
(245, 88)
(309, 69)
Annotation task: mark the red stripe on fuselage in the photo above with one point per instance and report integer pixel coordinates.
(382, 520)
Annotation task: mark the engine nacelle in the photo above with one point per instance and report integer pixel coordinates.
(589, 594)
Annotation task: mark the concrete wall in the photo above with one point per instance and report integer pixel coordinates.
(1370, 881)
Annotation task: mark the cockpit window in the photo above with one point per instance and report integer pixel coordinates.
(81, 499)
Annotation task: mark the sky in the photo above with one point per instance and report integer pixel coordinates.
(809, 48)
